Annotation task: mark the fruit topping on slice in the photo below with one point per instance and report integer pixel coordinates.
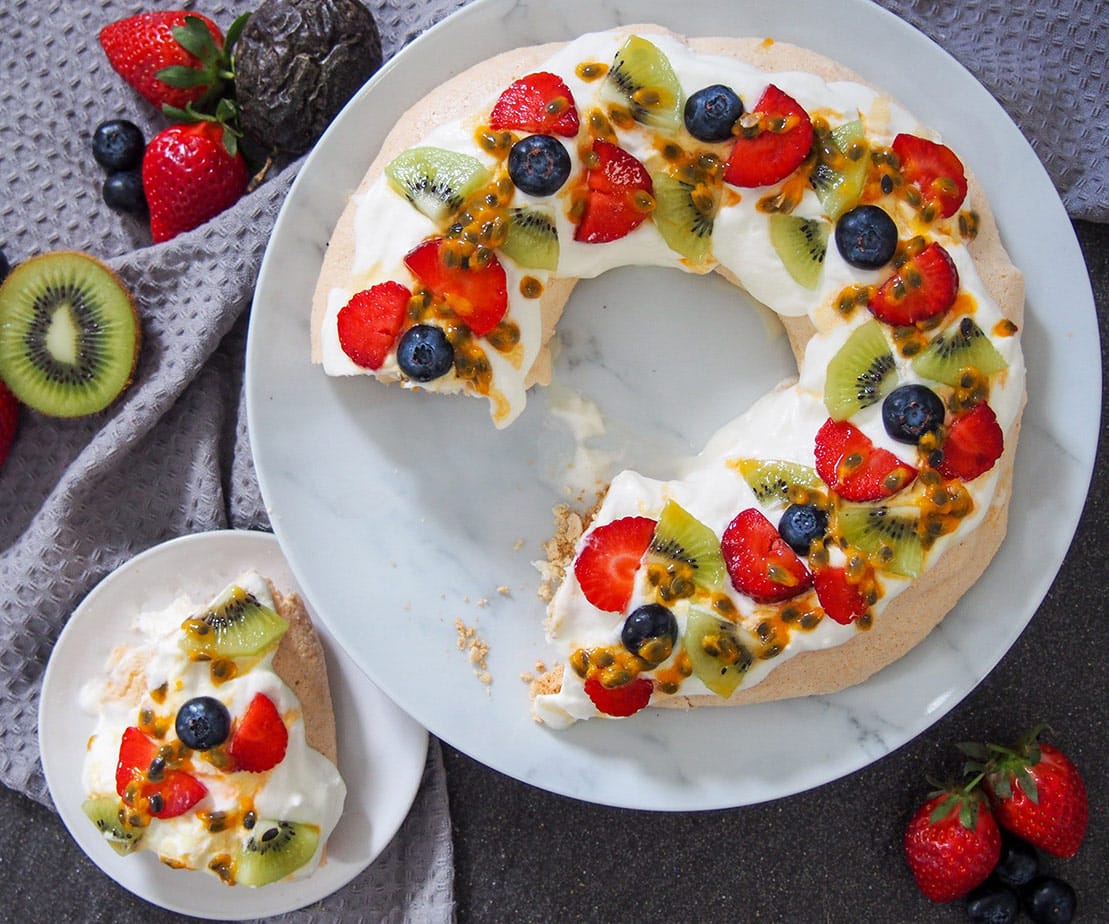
(609, 559)
(774, 140)
(866, 237)
(839, 174)
(532, 238)
(369, 323)
(145, 783)
(618, 194)
(801, 525)
(539, 102)
(852, 466)
(425, 353)
(889, 536)
(839, 598)
(104, 812)
(621, 701)
(911, 411)
(924, 286)
(683, 553)
(801, 245)
(202, 723)
(539, 165)
(760, 563)
(260, 737)
(772, 480)
(684, 215)
(861, 373)
(650, 632)
(436, 181)
(274, 850)
(477, 294)
(711, 112)
(642, 79)
(974, 442)
(234, 625)
(962, 346)
(935, 171)
(717, 653)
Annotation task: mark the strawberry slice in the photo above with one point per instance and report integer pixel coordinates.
(619, 195)
(259, 740)
(619, 701)
(782, 141)
(370, 321)
(478, 295)
(540, 103)
(759, 561)
(173, 793)
(608, 560)
(972, 445)
(852, 466)
(840, 599)
(921, 288)
(935, 170)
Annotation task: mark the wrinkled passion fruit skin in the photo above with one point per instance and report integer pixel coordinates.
(297, 63)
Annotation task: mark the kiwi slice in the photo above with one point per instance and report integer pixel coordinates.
(683, 553)
(963, 345)
(69, 334)
(801, 244)
(772, 479)
(436, 181)
(839, 174)
(234, 625)
(642, 79)
(684, 215)
(889, 536)
(274, 850)
(862, 373)
(104, 812)
(717, 653)
(532, 239)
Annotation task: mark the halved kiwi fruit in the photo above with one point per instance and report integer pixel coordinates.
(104, 812)
(274, 850)
(889, 536)
(684, 214)
(717, 653)
(839, 174)
(234, 625)
(772, 479)
(642, 79)
(532, 238)
(801, 244)
(683, 553)
(861, 373)
(961, 346)
(69, 334)
(436, 181)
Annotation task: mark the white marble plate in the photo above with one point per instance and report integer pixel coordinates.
(402, 513)
(382, 752)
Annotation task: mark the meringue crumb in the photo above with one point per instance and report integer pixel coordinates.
(477, 650)
(503, 590)
(517, 545)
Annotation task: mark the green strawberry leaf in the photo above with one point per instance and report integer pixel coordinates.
(233, 33)
(195, 38)
(182, 76)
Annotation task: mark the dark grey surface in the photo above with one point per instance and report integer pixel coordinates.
(829, 855)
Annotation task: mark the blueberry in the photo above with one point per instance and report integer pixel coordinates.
(123, 192)
(911, 411)
(538, 165)
(1049, 900)
(801, 524)
(993, 903)
(648, 623)
(866, 237)
(118, 145)
(1019, 863)
(202, 723)
(710, 113)
(424, 353)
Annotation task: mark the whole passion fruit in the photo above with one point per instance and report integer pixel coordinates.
(297, 63)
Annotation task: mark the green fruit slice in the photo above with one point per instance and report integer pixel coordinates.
(684, 214)
(532, 239)
(861, 373)
(839, 173)
(274, 850)
(716, 651)
(961, 346)
(642, 79)
(801, 244)
(889, 536)
(234, 625)
(104, 812)
(69, 334)
(683, 553)
(436, 181)
(772, 479)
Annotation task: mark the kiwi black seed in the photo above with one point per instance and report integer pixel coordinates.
(69, 334)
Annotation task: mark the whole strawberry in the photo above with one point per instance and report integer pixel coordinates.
(9, 420)
(191, 172)
(1036, 792)
(952, 844)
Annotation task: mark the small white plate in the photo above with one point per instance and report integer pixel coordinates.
(381, 750)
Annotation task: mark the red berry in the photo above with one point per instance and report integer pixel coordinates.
(619, 701)
(618, 195)
(852, 466)
(952, 844)
(478, 295)
(260, 738)
(170, 793)
(921, 288)
(608, 560)
(974, 442)
(840, 599)
(370, 321)
(9, 420)
(781, 145)
(539, 103)
(934, 169)
(760, 562)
